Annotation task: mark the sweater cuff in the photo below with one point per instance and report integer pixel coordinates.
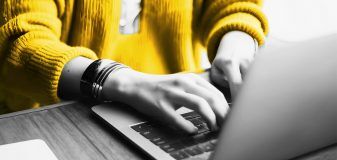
(239, 21)
(222, 18)
(48, 61)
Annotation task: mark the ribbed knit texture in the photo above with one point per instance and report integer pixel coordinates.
(38, 37)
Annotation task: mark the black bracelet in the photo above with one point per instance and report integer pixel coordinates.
(88, 78)
(94, 77)
(98, 84)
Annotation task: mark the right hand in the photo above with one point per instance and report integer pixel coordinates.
(235, 53)
(158, 96)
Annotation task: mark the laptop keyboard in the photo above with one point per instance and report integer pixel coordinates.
(177, 144)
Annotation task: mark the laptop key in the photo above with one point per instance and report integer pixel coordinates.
(179, 155)
(204, 155)
(200, 138)
(207, 147)
(189, 142)
(159, 141)
(171, 147)
(196, 121)
(190, 115)
(155, 133)
(202, 128)
(151, 134)
(202, 120)
(194, 150)
(156, 139)
(210, 135)
(176, 142)
(141, 127)
(147, 134)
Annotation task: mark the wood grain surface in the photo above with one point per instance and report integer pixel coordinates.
(73, 132)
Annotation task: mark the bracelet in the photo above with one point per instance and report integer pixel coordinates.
(88, 78)
(94, 76)
(97, 84)
(97, 89)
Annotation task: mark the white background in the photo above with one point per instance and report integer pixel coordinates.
(297, 20)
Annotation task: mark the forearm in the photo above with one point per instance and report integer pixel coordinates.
(237, 37)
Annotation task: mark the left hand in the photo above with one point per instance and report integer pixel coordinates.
(235, 53)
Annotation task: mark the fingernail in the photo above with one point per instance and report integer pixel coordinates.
(195, 129)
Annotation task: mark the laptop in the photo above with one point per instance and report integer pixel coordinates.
(35, 149)
(286, 107)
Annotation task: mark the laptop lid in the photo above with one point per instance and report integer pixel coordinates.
(287, 106)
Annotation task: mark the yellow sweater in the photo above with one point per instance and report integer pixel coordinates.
(38, 37)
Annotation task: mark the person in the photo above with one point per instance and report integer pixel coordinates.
(151, 47)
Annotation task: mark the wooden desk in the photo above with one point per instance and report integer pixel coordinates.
(73, 132)
(70, 130)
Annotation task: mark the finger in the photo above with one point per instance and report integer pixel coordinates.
(219, 77)
(208, 92)
(197, 104)
(232, 70)
(172, 117)
(218, 104)
(205, 84)
(244, 69)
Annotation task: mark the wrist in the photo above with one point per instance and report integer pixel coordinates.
(236, 41)
(119, 84)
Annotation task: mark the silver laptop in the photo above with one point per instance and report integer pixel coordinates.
(286, 107)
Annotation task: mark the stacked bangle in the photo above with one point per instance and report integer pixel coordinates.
(94, 77)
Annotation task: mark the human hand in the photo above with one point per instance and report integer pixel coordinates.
(235, 53)
(158, 96)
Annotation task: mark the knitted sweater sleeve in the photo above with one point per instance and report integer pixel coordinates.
(221, 16)
(31, 53)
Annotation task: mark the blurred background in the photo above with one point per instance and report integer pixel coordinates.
(297, 20)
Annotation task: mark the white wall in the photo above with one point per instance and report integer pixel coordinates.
(296, 20)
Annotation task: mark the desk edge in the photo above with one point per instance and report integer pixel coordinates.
(37, 109)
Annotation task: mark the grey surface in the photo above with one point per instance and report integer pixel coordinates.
(287, 106)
